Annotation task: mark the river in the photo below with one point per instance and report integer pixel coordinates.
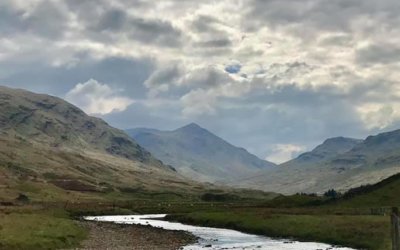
(217, 238)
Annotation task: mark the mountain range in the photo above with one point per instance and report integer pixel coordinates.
(339, 163)
(49, 148)
(199, 154)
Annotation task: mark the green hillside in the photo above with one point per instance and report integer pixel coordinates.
(383, 194)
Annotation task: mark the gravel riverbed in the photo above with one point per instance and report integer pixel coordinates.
(103, 235)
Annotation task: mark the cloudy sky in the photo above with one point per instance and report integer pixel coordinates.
(274, 76)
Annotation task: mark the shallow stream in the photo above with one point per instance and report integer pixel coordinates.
(217, 238)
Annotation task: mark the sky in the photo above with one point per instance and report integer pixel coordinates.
(276, 77)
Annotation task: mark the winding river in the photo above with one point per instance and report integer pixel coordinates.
(216, 238)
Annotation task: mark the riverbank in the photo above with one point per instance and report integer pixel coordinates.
(43, 227)
(32, 227)
(103, 236)
(356, 231)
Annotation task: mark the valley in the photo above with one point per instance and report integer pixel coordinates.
(195, 125)
(58, 164)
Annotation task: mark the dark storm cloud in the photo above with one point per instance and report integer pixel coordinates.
(113, 20)
(125, 73)
(215, 43)
(167, 75)
(320, 14)
(337, 40)
(383, 53)
(205, 24)
(154, 31)
(145, 30)
(46, 20)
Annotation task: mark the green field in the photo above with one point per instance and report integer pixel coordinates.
(350, 221)
(30, 228)
(358, 231)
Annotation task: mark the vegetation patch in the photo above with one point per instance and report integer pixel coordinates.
(365, 232)
(38, 230)
(74, 185)
(219, 197)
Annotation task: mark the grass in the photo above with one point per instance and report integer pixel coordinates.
(382, 194)
(346, 221)
(331, 223)
(33, 229)
(365, 232)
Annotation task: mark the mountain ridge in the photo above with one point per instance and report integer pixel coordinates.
(198, 153)
(329, 148)
(45, 119)
(348, 164)
(50, 149)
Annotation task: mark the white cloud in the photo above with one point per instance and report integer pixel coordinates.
(97, 98)
(327, 68)
(284, 152)
(198, 102)
(378, 116)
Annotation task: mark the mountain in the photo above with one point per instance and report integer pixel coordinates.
(54, 122)
(50, 148)
(328, 149)
(339, 163)
(199, 154)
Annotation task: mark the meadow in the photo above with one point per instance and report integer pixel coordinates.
(359, 219)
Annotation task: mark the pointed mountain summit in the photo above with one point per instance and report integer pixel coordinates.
(197, 153)
(191, 127)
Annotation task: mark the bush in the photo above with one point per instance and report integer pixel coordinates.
(22, 198)
(332, 193)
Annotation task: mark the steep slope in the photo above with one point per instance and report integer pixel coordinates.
(197, 153)
(49, 147)
(380, 150)
(52, 121)
(330, 148)
(343, 164)
(382, 194)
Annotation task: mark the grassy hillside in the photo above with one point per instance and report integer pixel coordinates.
(54, 122)
(49, 174)
(52, 151)
(383, 194)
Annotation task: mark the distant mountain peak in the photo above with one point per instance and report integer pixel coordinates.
(191, 127)
(199, 154)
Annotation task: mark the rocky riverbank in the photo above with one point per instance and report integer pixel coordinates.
(103, 235)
